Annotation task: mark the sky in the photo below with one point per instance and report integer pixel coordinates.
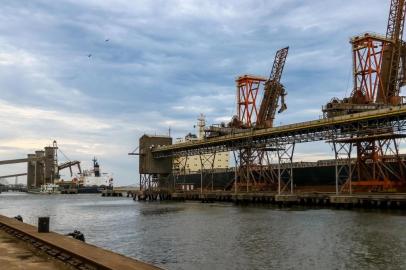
(158, 64)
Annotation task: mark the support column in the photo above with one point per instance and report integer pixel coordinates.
(31, 171)
(343, 168)
(378, 167)
(180, 169)
(285, 167)
(39, 169)
(235, 155)
(207, 162)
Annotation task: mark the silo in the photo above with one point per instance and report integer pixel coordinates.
(31, 171)
(51, 166)
(39, 168)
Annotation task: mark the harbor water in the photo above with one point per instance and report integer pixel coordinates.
(193, 235)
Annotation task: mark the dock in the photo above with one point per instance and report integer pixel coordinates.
(25, 248)
(16, 255)
(359, 200)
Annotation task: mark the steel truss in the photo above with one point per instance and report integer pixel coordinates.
(149, 182)
(179, 170)
(367, 58)
(378, 165)
(254, 169)
(207, 162)
(248, 88)
(285, 173)
(339, 130)
(343, 163)
(327, 130)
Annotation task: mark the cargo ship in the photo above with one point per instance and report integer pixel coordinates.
(88, 181)
(308, 176)
(316, 176)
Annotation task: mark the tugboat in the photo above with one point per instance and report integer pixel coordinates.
(50, 189)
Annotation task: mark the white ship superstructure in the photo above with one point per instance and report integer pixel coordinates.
(94, 177)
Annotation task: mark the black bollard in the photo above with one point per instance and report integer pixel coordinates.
(43, 224)
(77, 235)
(19, 218)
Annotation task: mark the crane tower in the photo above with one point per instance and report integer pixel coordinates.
(378, 75)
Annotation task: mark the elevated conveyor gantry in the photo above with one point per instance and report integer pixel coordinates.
(340, 127)
(282, 139)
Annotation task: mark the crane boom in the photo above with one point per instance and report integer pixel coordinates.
(393, 54)
(396, 20)
(273, 91)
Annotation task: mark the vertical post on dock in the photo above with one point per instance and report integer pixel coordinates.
(235, 172)
(336, 169)
(201, 181)
(201, 173)
(279, 176)
(343, 166)
(291, 168)
(336, 165)
(285, 158)
(350, 167)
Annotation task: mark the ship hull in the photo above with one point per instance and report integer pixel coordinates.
(306, 178)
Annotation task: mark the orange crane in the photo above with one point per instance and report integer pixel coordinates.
(273, 91)
(392, 77)
(378, 67)
(379, 73)
(248, 88)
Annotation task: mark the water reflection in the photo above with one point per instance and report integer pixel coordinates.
(224, 236)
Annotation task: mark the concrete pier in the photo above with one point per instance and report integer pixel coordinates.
(47, 250)
(361, 200)
(17, 255)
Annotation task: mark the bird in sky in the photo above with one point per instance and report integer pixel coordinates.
(107, 40)
(89, 55)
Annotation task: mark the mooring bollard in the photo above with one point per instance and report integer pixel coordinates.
(77, 235)
(43, 224)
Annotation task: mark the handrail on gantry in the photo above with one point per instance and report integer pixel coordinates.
(334, 124)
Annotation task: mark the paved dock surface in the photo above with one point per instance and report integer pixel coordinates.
(14, 254)
(64, 249)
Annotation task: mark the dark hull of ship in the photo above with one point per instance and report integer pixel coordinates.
(306, 178)
(89, 190)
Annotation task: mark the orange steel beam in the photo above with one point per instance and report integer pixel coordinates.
(248, 87)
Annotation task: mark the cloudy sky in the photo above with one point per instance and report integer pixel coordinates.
(165, 62)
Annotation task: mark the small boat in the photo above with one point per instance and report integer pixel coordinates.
(49, 189)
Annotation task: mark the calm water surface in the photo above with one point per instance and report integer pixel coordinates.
(223, 236)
